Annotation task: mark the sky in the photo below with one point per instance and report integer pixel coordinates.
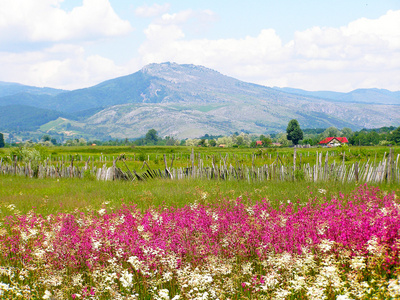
(314, 45)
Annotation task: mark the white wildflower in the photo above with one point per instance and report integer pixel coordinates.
(47, 295)
(247, 268)
(167, 276)
(281, 294)
(298, 283)
(343, 297)
(270, 281)
(282, 222)
(250, 211)
(225, 242)
(326, 245)
(322, 191)
(357, 263)
(394, 288)
(373, 245)
(77, 279)
(264, 215)
(102, 211)
(126, 279)
(163, 294)
(214, 228)
(135, 262)
(316, 292)
(39, 253)
(96, 244)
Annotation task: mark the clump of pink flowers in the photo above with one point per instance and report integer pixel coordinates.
(347, 247)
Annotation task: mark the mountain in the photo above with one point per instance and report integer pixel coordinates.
(376, 96)
(190, 101)
(25, 118)
(9, 88)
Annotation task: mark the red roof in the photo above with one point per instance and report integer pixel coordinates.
(340, 139)
(258, 143)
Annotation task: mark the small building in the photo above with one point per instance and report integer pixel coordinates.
(258, 143)
(334, 141)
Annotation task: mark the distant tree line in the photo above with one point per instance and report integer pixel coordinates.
(383, 136)
(365, 137)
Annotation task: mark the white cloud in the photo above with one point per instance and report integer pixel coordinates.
(365, 53)
(45, 21)
(62, 66)
(152, 11)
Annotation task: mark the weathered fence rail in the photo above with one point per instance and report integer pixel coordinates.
(386, 170)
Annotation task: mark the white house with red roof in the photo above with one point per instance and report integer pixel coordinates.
(334, 141)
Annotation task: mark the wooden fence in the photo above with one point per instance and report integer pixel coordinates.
(386, 170)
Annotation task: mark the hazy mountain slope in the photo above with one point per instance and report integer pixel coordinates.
(9, 88)
(23, 117)
(162, 83)
(376, 96)
(34, 100)
(189, 101)
(133, 120)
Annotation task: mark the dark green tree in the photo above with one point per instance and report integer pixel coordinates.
(395, 136)
(1, 140)
(294, 132)
(202, 143)
(212, 143)
(46, 138)
(151, 137)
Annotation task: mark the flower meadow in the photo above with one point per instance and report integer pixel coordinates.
(340, 248)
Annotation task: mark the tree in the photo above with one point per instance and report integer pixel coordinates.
(1, 140)
(203, 143)
(395, 136)
(294, 133)
(347, 132)
(212, 143)
(46, 138)
(331, 132)
(151, 137)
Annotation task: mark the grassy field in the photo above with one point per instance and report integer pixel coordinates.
(198, 239)
(51, 196)
(181, 156)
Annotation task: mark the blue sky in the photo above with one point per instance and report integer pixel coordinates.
(314, 45)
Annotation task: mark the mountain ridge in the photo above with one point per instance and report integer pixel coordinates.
(189, 101)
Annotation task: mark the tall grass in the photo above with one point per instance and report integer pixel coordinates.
(51, 196)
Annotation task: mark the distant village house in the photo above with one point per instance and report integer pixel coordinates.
(334, 141)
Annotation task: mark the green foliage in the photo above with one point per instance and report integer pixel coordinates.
(367, 138)
(331, 132)
(299, 175)
(1, 140)
(294, 133)
(88, 175)
(26, 117)
(151, 137)
(46, 138)
(142, 157)
(395, 136)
